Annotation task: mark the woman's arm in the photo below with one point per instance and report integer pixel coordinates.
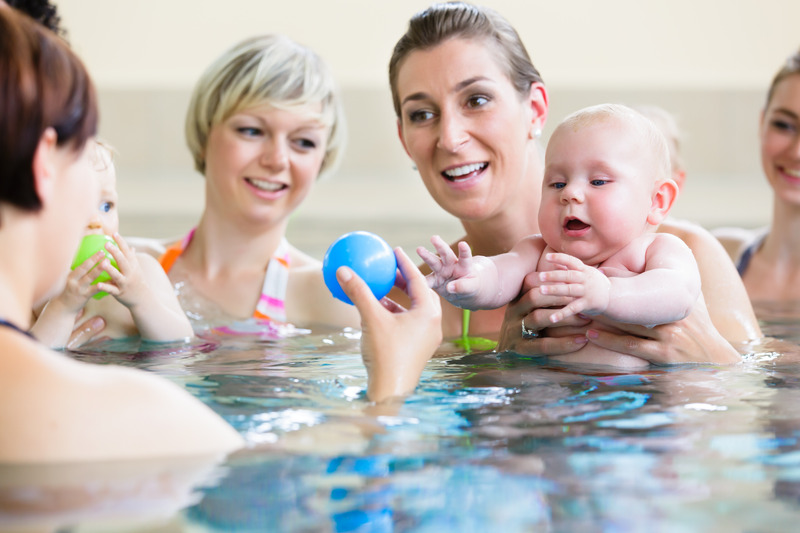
(726, 298)
(395, 343)
(703, 336)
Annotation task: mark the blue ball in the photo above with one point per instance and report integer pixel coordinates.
(368, 255)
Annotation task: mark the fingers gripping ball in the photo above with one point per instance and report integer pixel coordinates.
(368, 255)
(90, 245)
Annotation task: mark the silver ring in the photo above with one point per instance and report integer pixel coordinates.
(528, 333)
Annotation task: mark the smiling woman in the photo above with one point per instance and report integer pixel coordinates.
(263, 123)
(768, 259)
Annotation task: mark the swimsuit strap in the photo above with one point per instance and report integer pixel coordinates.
(13, 326)
(747, 255)
(173, 252)
(271, 304)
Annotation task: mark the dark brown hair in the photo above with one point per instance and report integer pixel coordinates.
(43, 85)
(441, 22)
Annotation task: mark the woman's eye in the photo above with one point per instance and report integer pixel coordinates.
(105, 207)
(248, 131)
(420, 115)
(307, 144)
(782, 125)
(477, 101)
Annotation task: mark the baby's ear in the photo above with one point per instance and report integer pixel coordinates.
(663, 198)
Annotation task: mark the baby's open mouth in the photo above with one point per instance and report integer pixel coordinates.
(575, 224)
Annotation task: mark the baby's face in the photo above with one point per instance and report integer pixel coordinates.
(106, 218)
(598, 189)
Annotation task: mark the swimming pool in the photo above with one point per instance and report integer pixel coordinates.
(488, 442)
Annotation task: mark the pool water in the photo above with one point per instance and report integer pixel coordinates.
(488, 442)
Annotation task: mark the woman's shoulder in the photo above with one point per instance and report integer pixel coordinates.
(701, 240)
(161, 408)
(151, 246)
(737, 240)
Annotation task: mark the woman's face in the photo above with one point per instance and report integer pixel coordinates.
(465, 126)
(262, 162)
(68, 204)
(780, 139)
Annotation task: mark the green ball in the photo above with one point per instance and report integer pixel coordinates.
(90, 245)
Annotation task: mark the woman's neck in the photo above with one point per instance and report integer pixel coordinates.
(782, 243)
(19, 270)
(518, 219)
(220, 244)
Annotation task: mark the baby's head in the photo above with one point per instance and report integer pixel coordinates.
(607, 181)
(106, 217)
(665, 121)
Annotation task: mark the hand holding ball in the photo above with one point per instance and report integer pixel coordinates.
(368, 255)
(90, 245)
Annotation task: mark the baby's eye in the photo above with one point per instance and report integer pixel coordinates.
(558, 185)
(105, 207)
(420, 115)
(598, 182)
(477, 100)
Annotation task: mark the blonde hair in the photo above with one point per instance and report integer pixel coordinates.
(645, 127)
(441, 22)
(267, 70)
(790, 66)
(666, 122)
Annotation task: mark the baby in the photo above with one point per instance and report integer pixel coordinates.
(140, 298)
(606, 188)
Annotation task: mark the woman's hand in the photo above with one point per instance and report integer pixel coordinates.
(395, 343)
(691, 340)
(532, 311)
(85, 331)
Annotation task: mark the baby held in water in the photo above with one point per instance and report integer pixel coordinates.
(606, 188)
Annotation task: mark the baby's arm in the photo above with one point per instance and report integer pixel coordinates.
(480, 282)
(666, 291)
(56, 321)
(143, 287)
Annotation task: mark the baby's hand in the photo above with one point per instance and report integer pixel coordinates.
(589, 287)
(453, 277)
(79, 288)
(127, 284)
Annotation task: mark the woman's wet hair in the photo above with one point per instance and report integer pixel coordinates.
(441, 22)
(271, 71)
(791, 66)
(43, 85)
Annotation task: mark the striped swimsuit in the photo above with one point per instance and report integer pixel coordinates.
(271, 304)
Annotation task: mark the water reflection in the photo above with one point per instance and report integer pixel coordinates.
(490, 441)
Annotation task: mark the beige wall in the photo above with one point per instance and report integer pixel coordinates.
(707, 61)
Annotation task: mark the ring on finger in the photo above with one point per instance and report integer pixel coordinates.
(528, 333)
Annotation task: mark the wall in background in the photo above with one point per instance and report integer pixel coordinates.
(707, 62)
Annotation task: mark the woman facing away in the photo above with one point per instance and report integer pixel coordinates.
(56, 409)
(768, 259)
(470, 107)
(53, 408)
